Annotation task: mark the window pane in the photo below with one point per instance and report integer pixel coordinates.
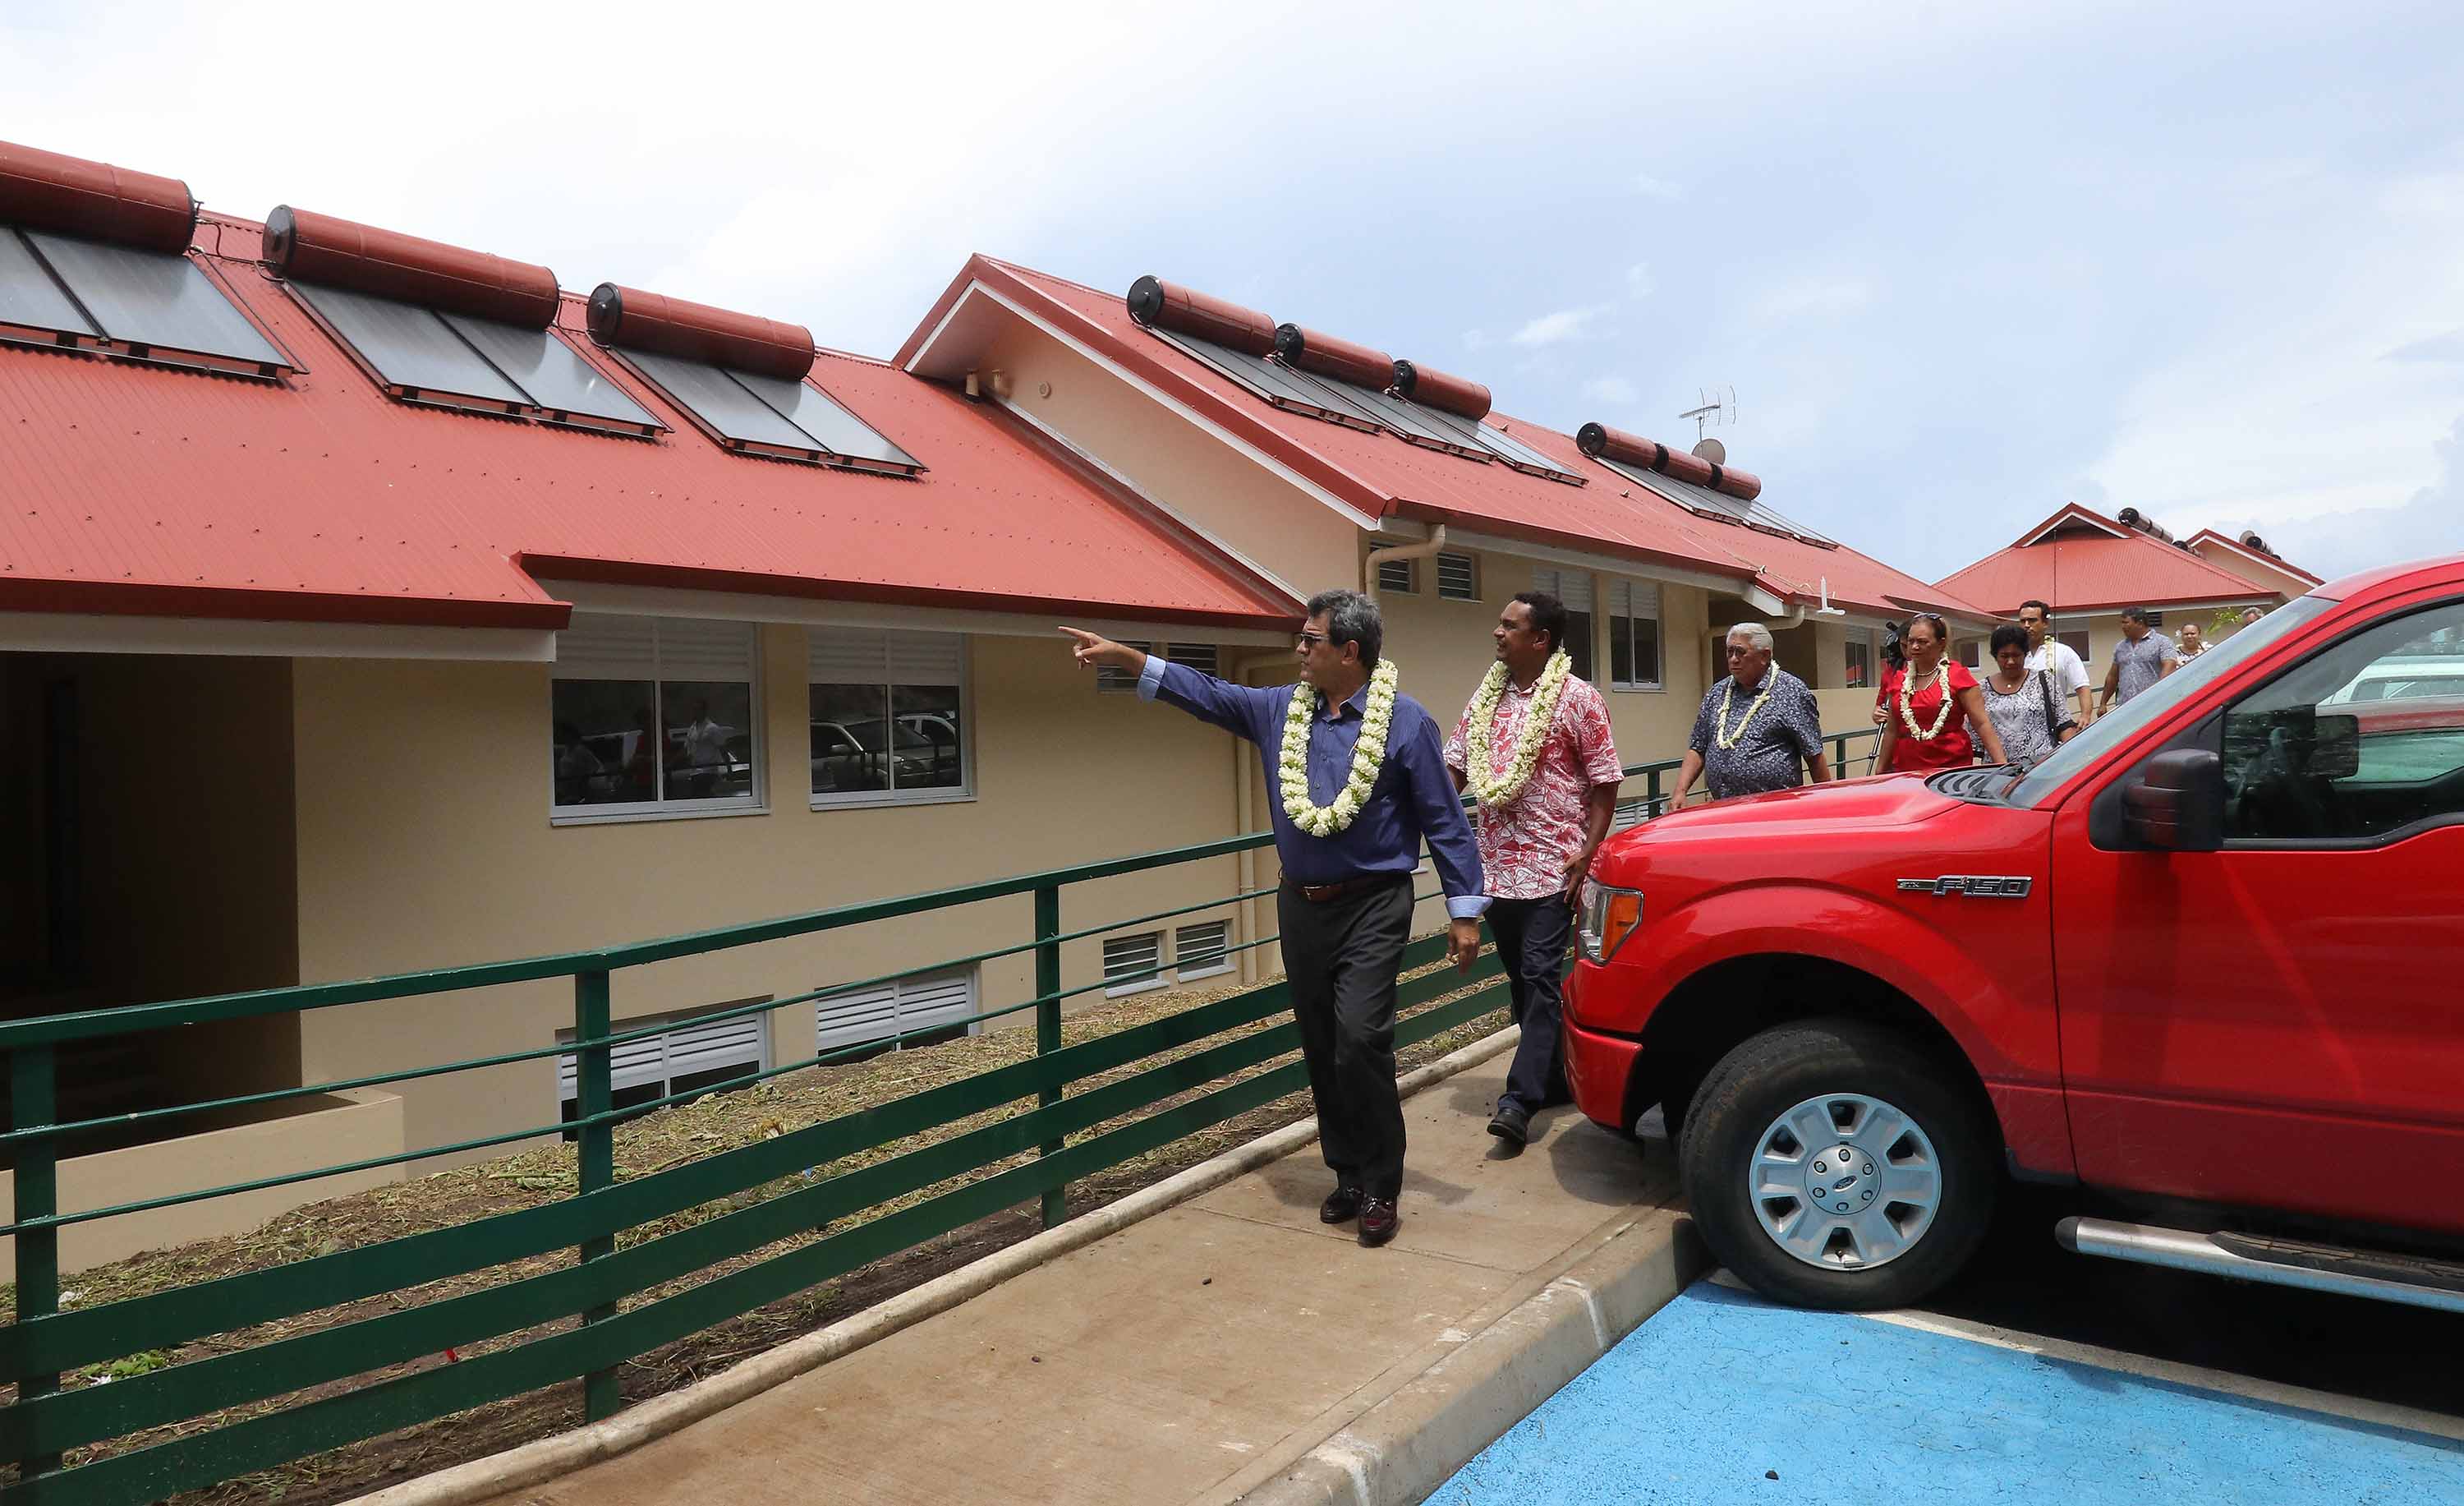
(1620, 651)
(931, 753)
(1579, 642)
(2076, 642)
(1646, 651)
(605, 752)
(709, 743)
(851, 723)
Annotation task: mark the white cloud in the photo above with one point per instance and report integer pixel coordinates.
(1555, 329)
(1614, 390)
(2431, 523)
(1818, 297)
(2448, 348)
(1638, 280)
(1651, 187)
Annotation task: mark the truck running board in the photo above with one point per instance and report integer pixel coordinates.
(2281, 1262)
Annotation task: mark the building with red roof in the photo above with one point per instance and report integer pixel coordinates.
(2089, 567)
(369, 604)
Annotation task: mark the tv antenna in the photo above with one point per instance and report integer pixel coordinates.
(1718, 405)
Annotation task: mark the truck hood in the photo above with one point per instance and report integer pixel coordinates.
(1889, 800)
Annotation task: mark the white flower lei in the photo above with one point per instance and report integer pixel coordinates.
(1368, 755)
(1907, 702)
(1497, 789)
(1720, 733)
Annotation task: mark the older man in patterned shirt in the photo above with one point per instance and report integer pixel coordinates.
(1536, 841)
(1755, 728)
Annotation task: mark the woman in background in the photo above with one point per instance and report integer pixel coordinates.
(1937, 718)
(2021, 703)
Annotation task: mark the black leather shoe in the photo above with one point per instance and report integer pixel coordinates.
(1378, 1221)
(1511, 1123)
(1341, 1206)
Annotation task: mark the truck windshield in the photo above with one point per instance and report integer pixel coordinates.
(2124, 720)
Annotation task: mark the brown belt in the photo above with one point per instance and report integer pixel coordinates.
(1320, 894)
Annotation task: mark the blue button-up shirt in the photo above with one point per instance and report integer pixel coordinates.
(1412, 799)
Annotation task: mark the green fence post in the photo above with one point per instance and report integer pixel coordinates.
(597, 1159)
(33, 1094)
(1839, 757)
(1048, 1026)
(1651, 792)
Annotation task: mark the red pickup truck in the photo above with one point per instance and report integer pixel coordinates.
(2205, 963)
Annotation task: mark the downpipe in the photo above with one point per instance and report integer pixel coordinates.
(2181, 1249)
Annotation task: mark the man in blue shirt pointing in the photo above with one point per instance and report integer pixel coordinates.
(1358, 780)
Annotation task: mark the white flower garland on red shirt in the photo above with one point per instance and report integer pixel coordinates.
(1907, 704)
(1497, 789)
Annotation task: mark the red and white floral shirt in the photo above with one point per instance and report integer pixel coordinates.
(1525, 844)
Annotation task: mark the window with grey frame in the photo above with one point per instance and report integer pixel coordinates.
(1572, 587)
(888, 716)
(1399, 576)
(1634, 635)
(1458, 578)
(652, 715)
(1859, 658)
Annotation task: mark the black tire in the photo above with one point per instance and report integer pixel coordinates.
(1767, 1075)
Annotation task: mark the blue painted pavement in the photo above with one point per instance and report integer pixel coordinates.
(1720, 1387)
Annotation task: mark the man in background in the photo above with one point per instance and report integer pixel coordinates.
(2059, 661)
(2143, 658)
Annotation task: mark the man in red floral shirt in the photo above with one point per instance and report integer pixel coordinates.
(1535, 748)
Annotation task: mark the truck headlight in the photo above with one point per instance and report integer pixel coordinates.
(1610, 916)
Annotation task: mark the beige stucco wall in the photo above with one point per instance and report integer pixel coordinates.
(1260, 516)
(425, 841)
(327, 1130)
(2266, 576)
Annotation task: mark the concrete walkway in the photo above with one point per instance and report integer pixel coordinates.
(1209, 1351)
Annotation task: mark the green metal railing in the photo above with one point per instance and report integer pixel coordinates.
(42, 1343)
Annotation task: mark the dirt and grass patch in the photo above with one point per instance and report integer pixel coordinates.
(644, 1146)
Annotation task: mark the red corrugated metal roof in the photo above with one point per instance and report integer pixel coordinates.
(137, 489)
(2085, 569)
(1380, 475)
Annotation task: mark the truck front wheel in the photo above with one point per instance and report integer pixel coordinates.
(1835, 1163)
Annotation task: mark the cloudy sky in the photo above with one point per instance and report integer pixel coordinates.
(1960, 262)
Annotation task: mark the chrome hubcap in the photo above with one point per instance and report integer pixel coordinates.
(1844, 1182)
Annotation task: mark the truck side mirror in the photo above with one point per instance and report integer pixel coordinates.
(2177, 802)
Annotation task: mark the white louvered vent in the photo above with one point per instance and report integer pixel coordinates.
(896, 1009)
(1633, 599)
(1130, 961)
(655, 1060)
(1458, 579)
(1396, 575)
(1201, 948)
(704, 650)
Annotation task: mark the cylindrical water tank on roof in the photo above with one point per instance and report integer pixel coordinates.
(45, 191)
(1438, 390)
(1168, 305)
(1329, 356)
(632, 318)
(1602, 443)
(319, 248)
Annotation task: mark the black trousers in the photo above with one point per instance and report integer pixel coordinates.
(1340, 957)
(1531, 936)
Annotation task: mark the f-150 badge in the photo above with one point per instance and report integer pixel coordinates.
(1980, 886)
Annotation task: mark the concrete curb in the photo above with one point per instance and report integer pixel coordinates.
(1405, 1447)
(532, 1463)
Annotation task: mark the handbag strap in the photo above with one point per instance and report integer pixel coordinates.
(2045, 687)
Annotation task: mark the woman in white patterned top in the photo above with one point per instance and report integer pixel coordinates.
(2023, 703)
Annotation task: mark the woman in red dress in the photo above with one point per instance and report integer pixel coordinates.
(1936, 716)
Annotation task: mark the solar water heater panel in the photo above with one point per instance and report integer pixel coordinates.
(818, 414)
(410, 348)
(156, 300)
(721, 401)
(547, 369)
(29, 298)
